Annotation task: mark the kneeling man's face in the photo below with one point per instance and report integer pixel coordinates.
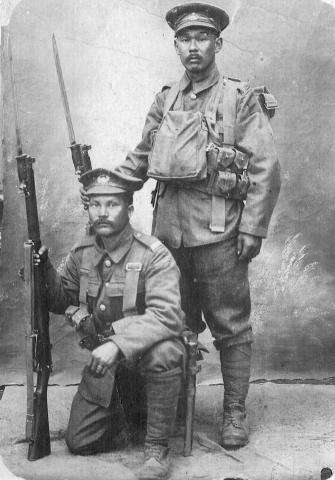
(109, 214)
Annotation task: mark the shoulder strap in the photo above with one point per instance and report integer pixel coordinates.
(148, 240)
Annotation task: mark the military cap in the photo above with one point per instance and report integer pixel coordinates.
(197, 15)
(103, 181)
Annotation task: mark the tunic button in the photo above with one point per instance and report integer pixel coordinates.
(108, 263)
(193, 96)
(102, 307)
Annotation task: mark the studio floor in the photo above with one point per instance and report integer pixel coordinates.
(292, 436)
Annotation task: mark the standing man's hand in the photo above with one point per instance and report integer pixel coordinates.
(248, 246)
(104, 357)
(84, 198)
(41, 256)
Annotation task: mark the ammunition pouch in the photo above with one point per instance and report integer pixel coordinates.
(84, 324)
(228, 176)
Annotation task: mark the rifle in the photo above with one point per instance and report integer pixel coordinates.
(194, 351)
(191, 343)
(38, 356)
(80, 156)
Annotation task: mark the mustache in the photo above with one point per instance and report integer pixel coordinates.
(101, 222)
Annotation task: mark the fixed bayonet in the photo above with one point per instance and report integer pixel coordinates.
(63, 91)
(80, 156)
(14, 94)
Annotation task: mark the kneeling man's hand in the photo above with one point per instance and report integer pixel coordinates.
(248, 246)
(104, 357)
(85, 199)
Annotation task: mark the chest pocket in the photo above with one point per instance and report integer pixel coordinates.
(115, 288)
(92, 289)
(89, 280)
(126, 280)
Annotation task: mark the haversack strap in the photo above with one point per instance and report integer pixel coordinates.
(229, 105)
(133, 269)
(221, 129)
(84, 275)
(171, 98)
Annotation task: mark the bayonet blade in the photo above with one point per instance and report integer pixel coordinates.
(63, 92)
(14, 95)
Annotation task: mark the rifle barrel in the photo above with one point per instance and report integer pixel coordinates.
(63, 92)
(14, 94)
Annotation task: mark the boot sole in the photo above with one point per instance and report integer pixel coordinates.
(234, 444)
(161, 477)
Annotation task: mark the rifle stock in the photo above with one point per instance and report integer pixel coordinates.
(29, 315)
(39, 442)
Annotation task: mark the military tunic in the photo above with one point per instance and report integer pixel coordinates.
(213, 280)
(183, 212)
(148, 339)
(158, 300)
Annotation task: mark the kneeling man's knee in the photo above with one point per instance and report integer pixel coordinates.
(163, 356)
(74, 443)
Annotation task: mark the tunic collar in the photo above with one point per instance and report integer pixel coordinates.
(211, 79)
(121, 246)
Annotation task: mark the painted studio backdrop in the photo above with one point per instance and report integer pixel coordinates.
(115, 56)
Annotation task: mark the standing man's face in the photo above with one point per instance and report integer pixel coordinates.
(197, 48)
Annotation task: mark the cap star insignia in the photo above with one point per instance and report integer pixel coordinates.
(193, 16)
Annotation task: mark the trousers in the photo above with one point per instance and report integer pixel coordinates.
(93, 427)
(214, 283)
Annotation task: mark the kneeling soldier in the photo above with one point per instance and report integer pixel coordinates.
(120, 289)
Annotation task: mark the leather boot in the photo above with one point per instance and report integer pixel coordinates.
(235, 367)
(162, 392)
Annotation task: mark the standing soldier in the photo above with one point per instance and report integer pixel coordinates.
(208, 142)
(119, 288)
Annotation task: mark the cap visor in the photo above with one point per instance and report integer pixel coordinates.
(104, 190)
(195, 23)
